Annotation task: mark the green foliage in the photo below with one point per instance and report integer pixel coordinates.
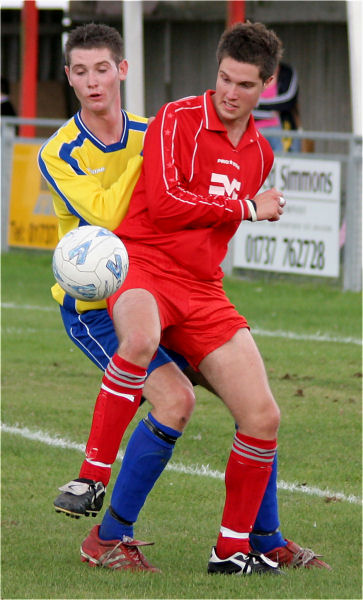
(49, 386)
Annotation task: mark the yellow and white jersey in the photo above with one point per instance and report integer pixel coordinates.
(91, 183)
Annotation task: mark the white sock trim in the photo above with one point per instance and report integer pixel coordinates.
(98, 464)
(237, 535)
(130, 397)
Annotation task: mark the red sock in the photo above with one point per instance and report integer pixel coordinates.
(116, 405)
(247, 473)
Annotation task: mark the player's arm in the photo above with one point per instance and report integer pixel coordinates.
(171, 205)
(81, 194)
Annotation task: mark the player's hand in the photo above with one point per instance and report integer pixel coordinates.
(150, 120)
(269, 205)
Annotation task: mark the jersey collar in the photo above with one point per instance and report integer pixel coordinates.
(111, 147)
(213, 122)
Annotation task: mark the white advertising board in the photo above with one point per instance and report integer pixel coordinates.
(306, 238)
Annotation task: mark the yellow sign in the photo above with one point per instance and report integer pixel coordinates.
(32, 221)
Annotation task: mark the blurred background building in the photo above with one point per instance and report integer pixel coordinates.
(170, 45)
(180, 38)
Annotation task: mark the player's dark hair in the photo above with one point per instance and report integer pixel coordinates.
(93, 35)
(251, 43)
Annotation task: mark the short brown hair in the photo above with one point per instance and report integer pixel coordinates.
(93, 35)
(251, 43)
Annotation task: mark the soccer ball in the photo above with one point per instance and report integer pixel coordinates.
(90, 263)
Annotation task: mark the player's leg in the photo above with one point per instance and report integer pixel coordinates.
(152, 443)
(124, 378)
(236, 371)
(122, 384)
(266, 536)
(93, 332)
(148, 452)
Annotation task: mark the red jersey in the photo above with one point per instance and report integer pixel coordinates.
(190, 197)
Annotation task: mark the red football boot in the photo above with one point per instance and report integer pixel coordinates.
(119, 555)
(292, 555)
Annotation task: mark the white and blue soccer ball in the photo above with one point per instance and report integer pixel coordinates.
(90, 263)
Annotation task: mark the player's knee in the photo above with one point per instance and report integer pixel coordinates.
(184, 403)
(270, 419)
(274, 418)
(174, 409)
(263, 422)
(139, 347)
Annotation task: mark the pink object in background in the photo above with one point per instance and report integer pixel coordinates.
(270, 92)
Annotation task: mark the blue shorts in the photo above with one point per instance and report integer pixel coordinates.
(93, 332)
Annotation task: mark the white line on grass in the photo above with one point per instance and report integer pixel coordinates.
(29, 307)
(316, 337)
(200, 470)
(291, 335)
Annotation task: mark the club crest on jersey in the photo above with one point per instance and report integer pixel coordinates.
(225, 187)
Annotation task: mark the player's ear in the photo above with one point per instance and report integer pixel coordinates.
(268, 81)
(123, 67)
(66, 69)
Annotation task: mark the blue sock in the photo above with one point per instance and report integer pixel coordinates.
(146, 456)
(113, 529)
(265, 535)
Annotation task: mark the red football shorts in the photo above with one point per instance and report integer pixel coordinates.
(196, 316)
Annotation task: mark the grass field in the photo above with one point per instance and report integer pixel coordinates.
(309, 335)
